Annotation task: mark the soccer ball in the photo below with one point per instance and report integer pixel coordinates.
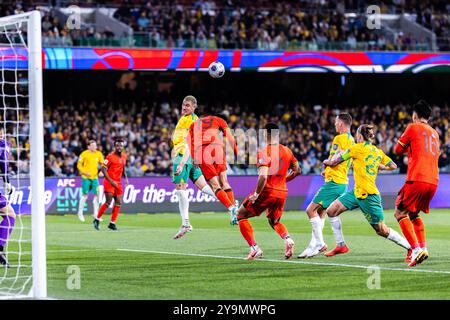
(216, 69)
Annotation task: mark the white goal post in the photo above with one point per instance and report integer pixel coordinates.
(23, 32)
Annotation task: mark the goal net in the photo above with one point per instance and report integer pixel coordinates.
(22, 210)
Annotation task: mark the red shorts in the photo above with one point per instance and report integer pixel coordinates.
(108, 188)
(211, 160)
(273, 205)
(415, 196)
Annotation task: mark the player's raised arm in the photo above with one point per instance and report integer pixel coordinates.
(403, 141)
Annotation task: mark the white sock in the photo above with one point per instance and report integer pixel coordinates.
(322, 222)
(183, 204)
(81, 204)
(207, 190)
(394, 236)
(337, 230)
(313, 238)
(316, 225)
(96, 205)
(313, 242)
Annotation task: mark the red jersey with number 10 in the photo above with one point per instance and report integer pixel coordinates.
(115, 165)
(422, 144)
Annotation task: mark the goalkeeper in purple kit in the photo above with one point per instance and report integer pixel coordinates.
(6, 211)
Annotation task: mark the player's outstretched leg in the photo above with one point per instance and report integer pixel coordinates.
(223, 198)
(247, 233)
(201, 184)
(384, 231)
(221, 195)
(6, 228)
(333, 212)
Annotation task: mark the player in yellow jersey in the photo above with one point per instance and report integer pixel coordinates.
(183, 169)
(367, 161)
(88, 165)
(336, 182)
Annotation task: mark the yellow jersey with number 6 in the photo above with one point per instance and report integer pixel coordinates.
(339, 173)
(366, 160)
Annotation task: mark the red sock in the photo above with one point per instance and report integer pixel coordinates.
(247, 231)
(102, 210)
(230, 195)
(223, 197)
(408, 231)
(419, 230)
(115, 213)
(281, 230)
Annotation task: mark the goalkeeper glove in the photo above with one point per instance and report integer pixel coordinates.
(8, 188)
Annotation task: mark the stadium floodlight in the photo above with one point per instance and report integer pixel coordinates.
(21, 118)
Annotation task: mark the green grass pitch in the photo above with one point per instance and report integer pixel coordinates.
(142, 261)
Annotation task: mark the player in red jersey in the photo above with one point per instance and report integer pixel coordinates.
(208, 152)
(421, 142)
(274, 161)
(113, 169)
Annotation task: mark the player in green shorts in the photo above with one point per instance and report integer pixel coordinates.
(367, 161)
(183, 169)
(336, 181)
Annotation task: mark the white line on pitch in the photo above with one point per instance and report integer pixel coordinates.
(287, 261)
(76, 250)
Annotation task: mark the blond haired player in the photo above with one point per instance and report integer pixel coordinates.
(336, 182)
(88, 164)
(183, 169)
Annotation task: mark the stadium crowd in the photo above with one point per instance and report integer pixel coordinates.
(314, 25)
(308, 130)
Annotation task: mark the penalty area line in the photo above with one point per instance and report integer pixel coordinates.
(329, 264)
